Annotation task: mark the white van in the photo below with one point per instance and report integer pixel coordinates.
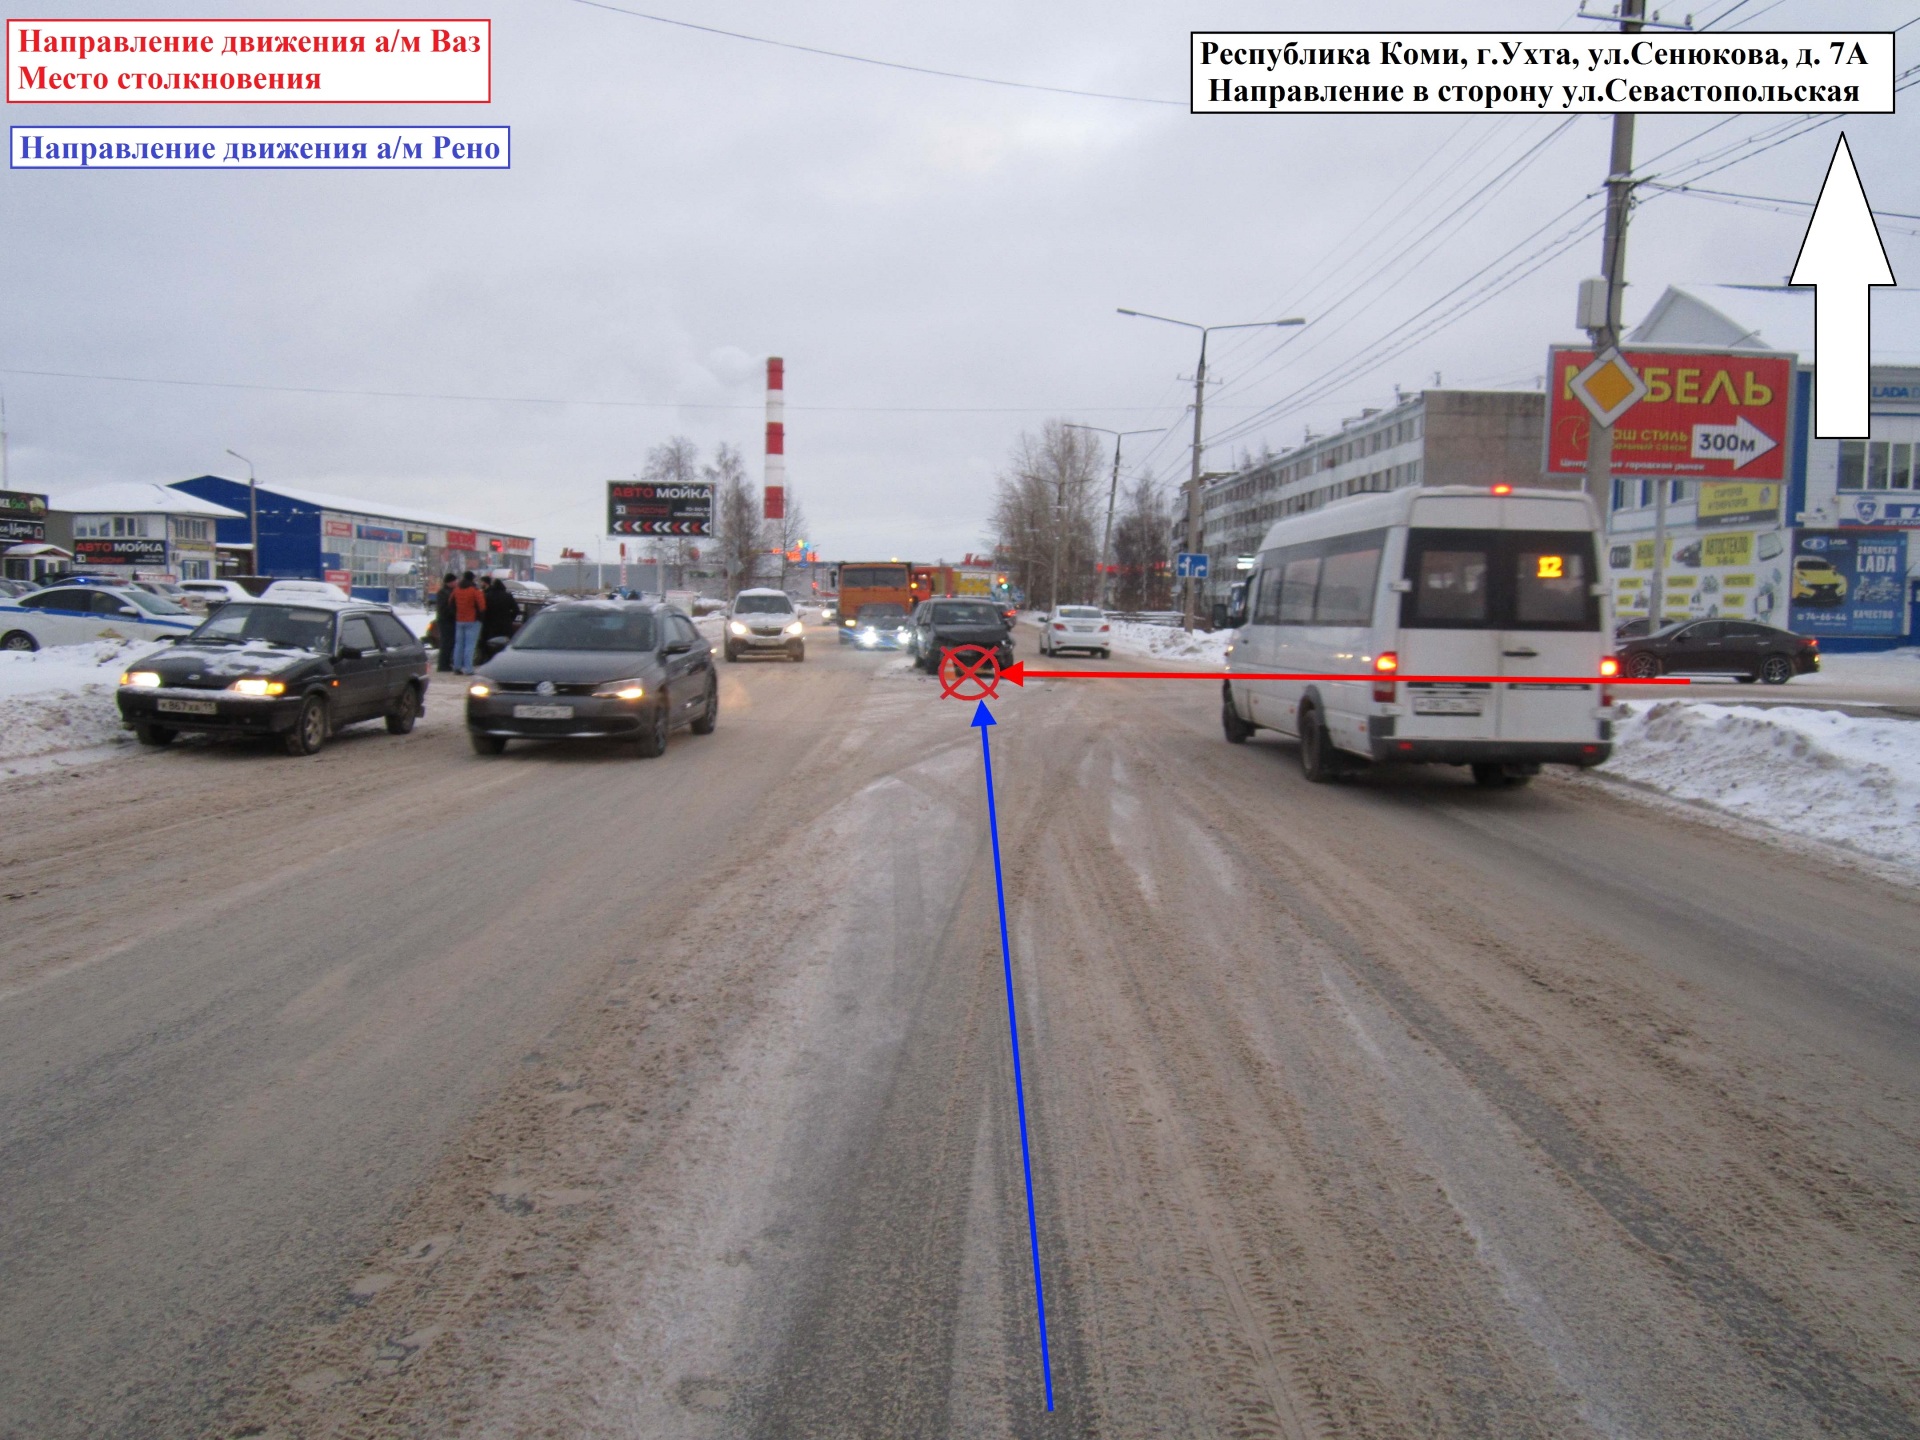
(1448, 581)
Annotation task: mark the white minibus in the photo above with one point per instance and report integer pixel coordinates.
(1444, 581)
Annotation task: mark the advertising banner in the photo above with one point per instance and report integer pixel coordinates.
(462, 540)
(1848, 583)
(1737, 502)
(1704, 414)
(23, 517)
(336, 529)
(1882, 509)
(638, 507)
(121, 552)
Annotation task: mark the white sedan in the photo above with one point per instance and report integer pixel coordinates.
(1076, 627)
(75, 614)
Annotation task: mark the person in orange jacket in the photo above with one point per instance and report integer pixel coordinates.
(469, 611)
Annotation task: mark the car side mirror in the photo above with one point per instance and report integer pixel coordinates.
(133, 610)
(676, 647)
(349, 652)
(498, 642)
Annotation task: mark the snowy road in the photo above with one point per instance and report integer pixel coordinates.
(583, 1096)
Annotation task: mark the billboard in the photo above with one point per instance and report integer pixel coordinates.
(640, 507)
(1705, 415)
(1849, 583)
(120, 552)
(23, 517)
(1737, 502)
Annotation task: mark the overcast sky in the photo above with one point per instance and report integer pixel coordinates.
(938, 261)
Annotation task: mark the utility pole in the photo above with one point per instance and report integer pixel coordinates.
(1199, 403)
(3, 442)
(1613, 267)
(253, 513)
(1113, 491)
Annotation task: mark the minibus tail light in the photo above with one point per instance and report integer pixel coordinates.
(1609, 667)
(1503, 489)
(1385, 665)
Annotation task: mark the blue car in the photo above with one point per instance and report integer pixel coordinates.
(878, 627)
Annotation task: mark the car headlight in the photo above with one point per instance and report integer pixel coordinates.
(622, 690)
(479, 691)
(141, 679)
(796, 628)
(737, 628)
(255, 685)
(901, 634)
(869, 637)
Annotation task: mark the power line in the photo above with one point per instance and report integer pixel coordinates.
(870, 60)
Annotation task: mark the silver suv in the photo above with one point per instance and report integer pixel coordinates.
(762, 621)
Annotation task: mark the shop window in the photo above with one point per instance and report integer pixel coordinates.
(1877, 464)
(196, 570)
(1853, 463)
(1900, 473)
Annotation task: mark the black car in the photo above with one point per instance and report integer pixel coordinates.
(1721, 647)
(884, 619)
(965, 625)
(296, 671)
(596, 669)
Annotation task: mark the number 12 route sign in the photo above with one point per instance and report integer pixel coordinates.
(638, 507)
(1707, 415)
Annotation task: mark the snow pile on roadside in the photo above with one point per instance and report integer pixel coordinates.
(1844, 779)
(61, 698)
(1163, 642)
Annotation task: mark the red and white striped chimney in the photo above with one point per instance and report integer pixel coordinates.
(774, 499)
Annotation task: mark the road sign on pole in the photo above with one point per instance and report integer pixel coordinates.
(1190, 565)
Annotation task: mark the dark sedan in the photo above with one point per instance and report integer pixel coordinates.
(296, 672)
(968, 626)
(1739, 648)
(596, 669)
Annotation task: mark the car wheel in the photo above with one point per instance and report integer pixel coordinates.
(1776, 669)
(1316, 749)
(653, 738)
(18, 640)
(1643, 666)
(1746, 679)
(732, 654)
(709, 712)
(309, 730)
(154, 734)
(798, 653)
(1106, 654)
(405, 711)
(486, 744)
(1238, 731)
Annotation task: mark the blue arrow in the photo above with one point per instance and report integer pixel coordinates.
(982, 719)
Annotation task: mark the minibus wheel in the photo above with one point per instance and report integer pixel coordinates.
(1238, 731)
(1316, 748)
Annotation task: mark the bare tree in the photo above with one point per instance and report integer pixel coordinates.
(1140, 548)
(1045, 526)
(742, 538)
(674, 461)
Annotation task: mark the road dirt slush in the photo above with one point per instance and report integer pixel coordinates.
(1385, 1108)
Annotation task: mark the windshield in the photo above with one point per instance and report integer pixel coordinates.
(153, 604)
(1079, 612)
(967, 615)
(288, 626)
(872, 577)
(584, 628)
(883, 615)
(762, 605)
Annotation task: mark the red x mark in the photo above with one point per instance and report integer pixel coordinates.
(964, 672)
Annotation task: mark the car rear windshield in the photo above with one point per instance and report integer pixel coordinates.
(1079, 612)
(584, 629)
(966, 615)
(882, 614)
(762, 605)
(1500, 580)
(291, 626)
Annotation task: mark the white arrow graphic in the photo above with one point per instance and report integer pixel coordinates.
(1739, 442)
(1842, 258)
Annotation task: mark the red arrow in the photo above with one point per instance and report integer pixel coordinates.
(1019, 675)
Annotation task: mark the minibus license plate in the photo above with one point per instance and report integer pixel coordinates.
(543, 712)
(1432, 704)
(189, 707)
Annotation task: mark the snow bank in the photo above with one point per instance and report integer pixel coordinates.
(61, 698)
(1844, 779)
(1162, 642)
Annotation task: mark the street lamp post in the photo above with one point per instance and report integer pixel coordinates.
(1113, 490)
(253, 512)
(1199, 408)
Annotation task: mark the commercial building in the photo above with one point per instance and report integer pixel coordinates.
(1830, 551)
(135, 530)
(1435, 437)
(379, 551)
(25, 553)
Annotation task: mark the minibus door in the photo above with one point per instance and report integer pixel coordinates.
(1445, 631)
(1554, 631)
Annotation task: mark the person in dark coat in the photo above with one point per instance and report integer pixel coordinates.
(443, 622)
(503, 613)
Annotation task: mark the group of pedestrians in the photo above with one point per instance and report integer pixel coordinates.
(467, 615)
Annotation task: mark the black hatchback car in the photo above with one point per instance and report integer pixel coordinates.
(596, 669)
(965, 625)
(295, 671)
(1741, 648)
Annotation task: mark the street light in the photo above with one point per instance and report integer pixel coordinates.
(1113, 489)
(1199, 405)
(253, 511)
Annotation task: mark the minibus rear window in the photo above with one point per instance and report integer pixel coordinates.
(1500, 580)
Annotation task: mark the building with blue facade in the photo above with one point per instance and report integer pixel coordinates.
(379, 552)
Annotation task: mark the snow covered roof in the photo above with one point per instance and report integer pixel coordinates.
(1772, 317)
(137, 497)
(383, 509)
